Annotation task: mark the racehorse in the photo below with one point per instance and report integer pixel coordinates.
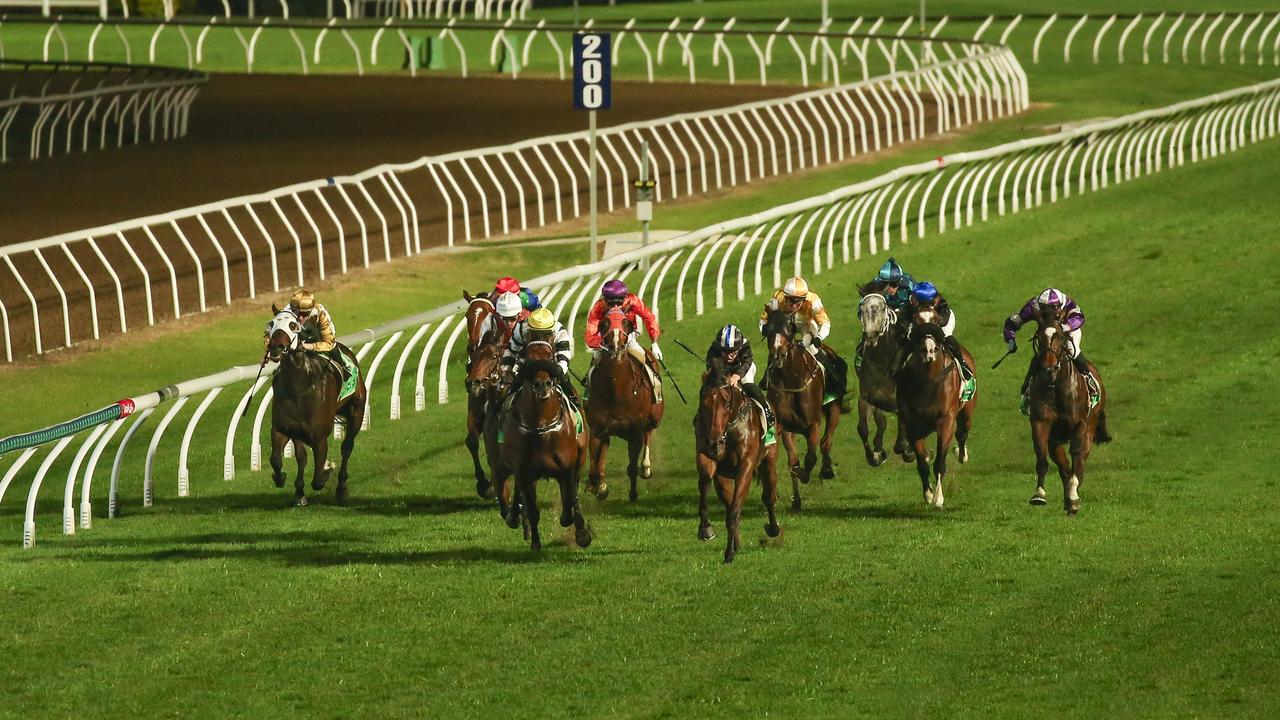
(305, 405)
(729, 435)
(620, 402)
(1060, 413)
(479, 307)
(794, 384)
(929, 388)
(537, 437)
(877, 393)
(482, 384)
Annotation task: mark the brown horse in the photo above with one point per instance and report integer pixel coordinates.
(305, 405)
(537, 437)
(479, 307)
(929, 401)
(620, 402)
(729, 435)
(877, 392)
(483, 374)
(1060, 414)
(794, 383)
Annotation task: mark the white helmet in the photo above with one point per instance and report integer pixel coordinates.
(1052, 297)
(508, 305)
(795, 287)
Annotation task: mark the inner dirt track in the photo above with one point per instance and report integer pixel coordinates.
(252, 133)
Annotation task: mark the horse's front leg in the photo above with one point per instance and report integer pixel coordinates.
(811, 441)
(635, 447)
(706, 469)
(946, 433)
(864, 432)
(725, 489)
(1079, 453)
(300, 482)
(599, 445)
(767, 470)
(1040, 443)
(922, 467)
(789, 442)
(320, 456)
(483, 488)
(278, 441)
(528, 488)
(828, 439)
(902, 445)
(646, 465)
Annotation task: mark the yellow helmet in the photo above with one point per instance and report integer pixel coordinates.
(796, 287)
(303, 300)
(542, 319)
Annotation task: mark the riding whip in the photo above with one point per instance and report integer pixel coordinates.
(671, 377)
(1002, 357)
(688, 350)
(247, 401)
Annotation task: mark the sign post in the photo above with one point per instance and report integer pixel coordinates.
(644, 199)
(592, 91)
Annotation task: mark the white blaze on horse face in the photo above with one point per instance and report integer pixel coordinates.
(929, 315)
(777, 341)
(930, 349)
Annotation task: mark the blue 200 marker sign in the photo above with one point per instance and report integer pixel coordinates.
(592, 73)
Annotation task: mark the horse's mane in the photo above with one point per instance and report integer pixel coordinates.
(919, 332)
(776, 321)
(533, 367)
(716, 374)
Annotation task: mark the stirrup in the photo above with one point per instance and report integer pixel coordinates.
(1025, 406)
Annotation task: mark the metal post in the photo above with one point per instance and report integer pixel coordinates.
(922, 16)
(644, 204)
(591, 141)
(826, 16)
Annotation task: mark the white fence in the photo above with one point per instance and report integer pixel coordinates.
(210, 254)
(81, 106)
(691, 273)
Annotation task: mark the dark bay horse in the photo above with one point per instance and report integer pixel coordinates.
(1061, 418)
(729, 435)
(483, 374)
(620, 402)
(305, 405)
(537, 437)
(795, 384)
(877, 393)
(929, 401)
(479, 307)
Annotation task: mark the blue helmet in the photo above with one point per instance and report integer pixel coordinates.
(925, 292)
(890, 271)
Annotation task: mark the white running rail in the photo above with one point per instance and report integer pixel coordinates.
(733, 258)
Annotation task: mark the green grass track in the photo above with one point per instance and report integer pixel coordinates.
(1159, 600)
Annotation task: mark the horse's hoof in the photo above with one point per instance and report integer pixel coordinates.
(601, 492)
(928, 497)
(484, 489)
(877, 458)
(300, 501)
(535, 545)
(646, 473)
(827, 473)
(908, 457)
(279, 480)
(773, 531)
(706, 533)
(795, 503)
(341, 496)
(583, 538)
(728, 557)
(318, 484)
(513, 519)
(1038, 500)
(633, 496)
(566, 520)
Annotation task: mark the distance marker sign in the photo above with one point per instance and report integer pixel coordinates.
(592, 72)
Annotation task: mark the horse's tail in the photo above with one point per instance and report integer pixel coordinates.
(1100, 434)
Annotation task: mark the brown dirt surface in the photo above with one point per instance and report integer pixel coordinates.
(252, 133)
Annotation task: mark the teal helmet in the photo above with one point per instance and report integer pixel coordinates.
(890, 272)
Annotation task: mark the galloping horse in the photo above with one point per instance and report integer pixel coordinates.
(877, 393)
(1061, 415)
(305, 404)
(729, 435)
(620, 402)
(929, 401)
(536, 438)
(483, 354)
(795, 384)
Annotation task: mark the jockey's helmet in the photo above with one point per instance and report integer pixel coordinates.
(796, 287)
(542, 319)
(1052, 298)
(614, 290)
(890, 272)
(508, 305)
(303, 301)
(730, 338)
(925, 292)
(507, 285)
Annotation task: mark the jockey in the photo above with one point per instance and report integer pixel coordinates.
(1058, 303)
(927, 296)
(541, 326)
(303, 304)
(614, 294)
(508, 313)
(732, 349)
(528, 299)
(812, 325)
(893, 283)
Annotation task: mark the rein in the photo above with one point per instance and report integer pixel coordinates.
(779, 369)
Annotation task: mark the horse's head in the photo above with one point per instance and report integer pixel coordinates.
(719, 407)
(1050, 345)
(779, 331)
(283, 334)
(479, 307)
(927, 336)
(614, 331)
(482, 370)
(541, 377)
(876, 316)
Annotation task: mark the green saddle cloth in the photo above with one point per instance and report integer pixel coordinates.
(352, 375)
(574, 413)
(967, 389)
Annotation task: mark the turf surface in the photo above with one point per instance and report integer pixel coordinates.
(1158, 600)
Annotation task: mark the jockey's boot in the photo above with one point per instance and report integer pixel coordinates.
(857, 353)
(566, 387)
(953, 346)
(1082, 365)
(336, 354)
(650, 364)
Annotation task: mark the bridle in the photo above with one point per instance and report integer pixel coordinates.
(737, 424)
(777, 358)
(1042, 343)
(287, 322)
